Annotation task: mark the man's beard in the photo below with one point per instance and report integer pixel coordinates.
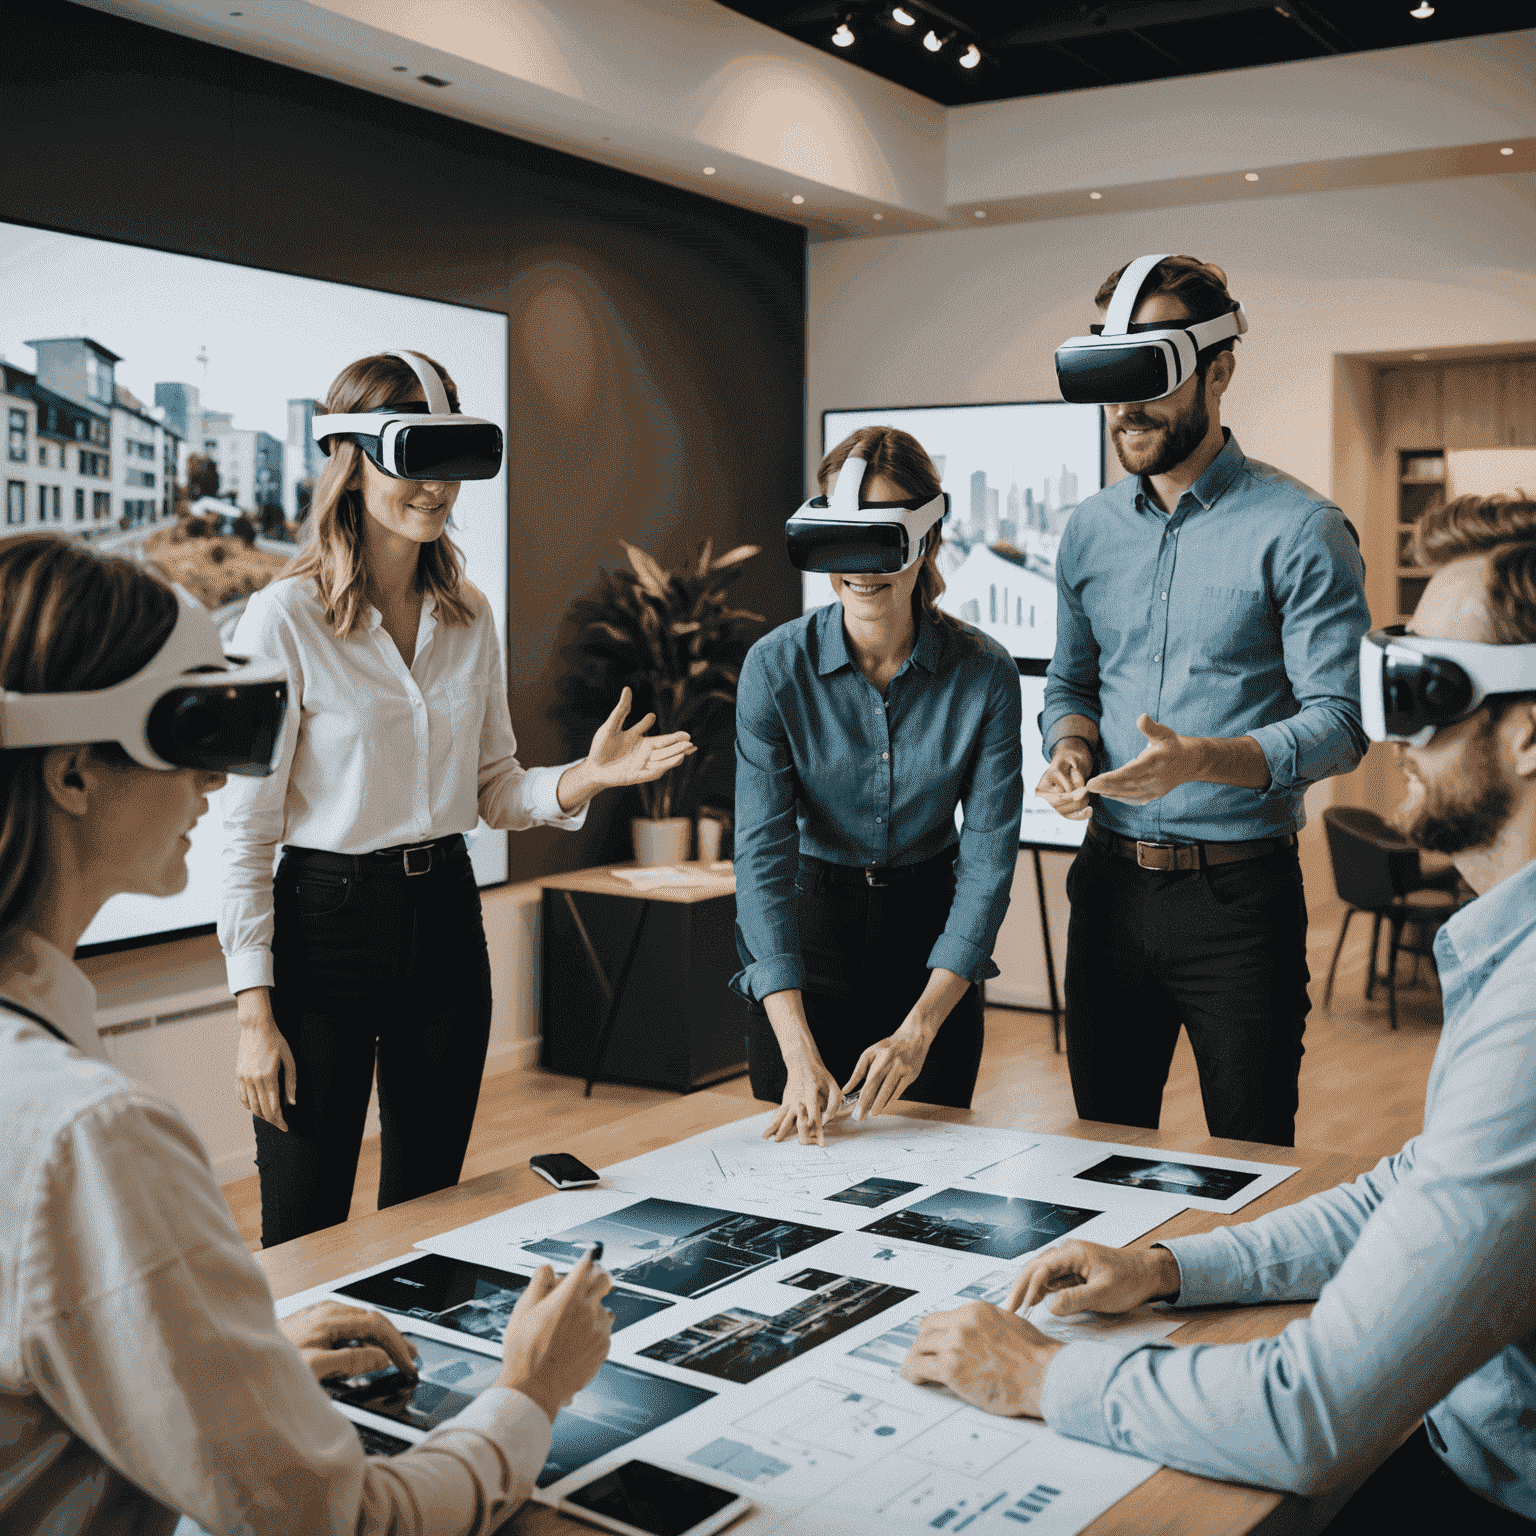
(1469, 813)
(1180, 438)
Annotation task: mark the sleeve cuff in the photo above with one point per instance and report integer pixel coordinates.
(249, 968)
(952, 953)
(1072, 1399)
(778, 973)
(1051, 732)
(515, 1422)
(1206, 1268)
(1278, 745)
(541, 799)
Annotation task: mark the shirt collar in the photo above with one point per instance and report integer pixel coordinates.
(1219, 474)
(1485, 930)
(832, 641)
(46, 981)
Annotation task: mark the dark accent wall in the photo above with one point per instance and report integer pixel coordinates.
(657, 338)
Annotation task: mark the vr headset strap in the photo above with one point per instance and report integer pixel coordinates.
(844, 501)
(1123, 305)
(431, 384)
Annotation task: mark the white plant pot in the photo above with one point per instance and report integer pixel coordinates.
(661, 842)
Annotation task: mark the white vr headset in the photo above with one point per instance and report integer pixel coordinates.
(190, 707)
(840, 533)
(1411, 685)
(1122, 362)
(417, 441)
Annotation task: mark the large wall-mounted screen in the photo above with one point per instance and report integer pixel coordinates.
(159, 406)
(1014, 472)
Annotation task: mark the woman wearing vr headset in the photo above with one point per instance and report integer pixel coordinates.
(142, 1373)
(367, 945)
(864, 923)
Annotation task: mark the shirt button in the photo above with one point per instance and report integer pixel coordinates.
(884, 756)
(877, 818)
(1165, 597)
(1158, 657)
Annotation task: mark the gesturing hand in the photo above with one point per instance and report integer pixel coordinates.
(992, 1359)
(1086, 1277)
(887, 1069)
(558, 1335)
(1064, 785)
(371, 1342)
(1167, 761)
(620, 756)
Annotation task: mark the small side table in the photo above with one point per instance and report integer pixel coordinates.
(635, 980)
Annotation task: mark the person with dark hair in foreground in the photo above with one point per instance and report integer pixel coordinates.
(1426, 1293)
(143, 1374)
(1208, 610)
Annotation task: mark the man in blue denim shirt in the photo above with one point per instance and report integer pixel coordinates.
(1421, 1268)
(1209, 612)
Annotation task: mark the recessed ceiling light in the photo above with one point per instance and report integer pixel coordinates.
(1251, 176)
(1422, 12)
(981, 213)
(709, 170)
(1506, 150)
(797, 198)
(1096, 195)
(903, 18)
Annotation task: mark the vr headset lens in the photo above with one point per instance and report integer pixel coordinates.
(220, 728)
(877, 548)
(443, 452)
(1092, 375)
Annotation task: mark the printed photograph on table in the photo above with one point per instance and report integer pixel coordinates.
(472, 1298)
(994, 1226)
(159, 406)
(618, 1405)
(682, 1250)
(740, 1345)
(1169, 1178)
(873, 1192)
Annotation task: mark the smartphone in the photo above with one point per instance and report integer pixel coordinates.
(562, 1170)
(639, 1499)
(450, 1379)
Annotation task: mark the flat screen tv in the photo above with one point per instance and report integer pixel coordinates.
(132, 380)
(1014, 472)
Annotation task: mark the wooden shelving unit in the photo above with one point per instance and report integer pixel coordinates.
(1420, 485)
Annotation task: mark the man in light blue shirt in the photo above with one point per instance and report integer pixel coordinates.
(1422, 1268)
(1209, 608)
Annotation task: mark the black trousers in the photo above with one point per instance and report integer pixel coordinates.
(373, 967)
(1414, 1492)
(1222, 950)
(865, 950)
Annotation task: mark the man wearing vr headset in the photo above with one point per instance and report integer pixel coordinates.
(1421, 1269)
(1204, 675)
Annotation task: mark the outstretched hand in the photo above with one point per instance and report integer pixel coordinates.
(1167, 761)
(628, 756)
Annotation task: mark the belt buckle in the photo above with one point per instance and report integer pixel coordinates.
(873, 874)
(1164, 848)
(405, 859)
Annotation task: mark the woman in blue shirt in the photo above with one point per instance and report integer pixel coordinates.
(865, 921)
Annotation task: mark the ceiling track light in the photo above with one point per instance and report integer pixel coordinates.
(843, 37)
(903, 18)
(971, 57)
(1422, 11)
(933, 42)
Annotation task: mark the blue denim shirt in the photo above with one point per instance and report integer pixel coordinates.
(825, 766)
(1422, 1269)
(1239, 615)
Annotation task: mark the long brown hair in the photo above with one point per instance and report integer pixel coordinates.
(903, 460)
(70, 622)
(333, 548)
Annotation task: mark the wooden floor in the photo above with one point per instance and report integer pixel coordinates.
(1362, 1086)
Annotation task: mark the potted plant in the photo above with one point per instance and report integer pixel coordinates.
(672, 638)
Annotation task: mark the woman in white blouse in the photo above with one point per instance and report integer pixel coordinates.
(143, 1375)
(367, 946)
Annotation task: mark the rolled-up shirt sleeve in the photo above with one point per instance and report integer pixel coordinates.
(1319, 586)
(1072, 680)
(993, 805)
(254, 814)
(767, 845)
(148, 1329)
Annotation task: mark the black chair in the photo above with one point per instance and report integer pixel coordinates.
(1376, 870)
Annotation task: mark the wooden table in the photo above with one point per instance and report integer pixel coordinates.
(1169, 1503)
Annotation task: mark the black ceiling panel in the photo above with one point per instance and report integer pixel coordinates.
(1035, 47)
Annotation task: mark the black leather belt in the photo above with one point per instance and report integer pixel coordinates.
(1166, 856)
(877, 876)
(402, 860)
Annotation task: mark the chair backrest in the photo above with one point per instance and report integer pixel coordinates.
(1372, 863)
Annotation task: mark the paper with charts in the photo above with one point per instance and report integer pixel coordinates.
(763, 1312)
